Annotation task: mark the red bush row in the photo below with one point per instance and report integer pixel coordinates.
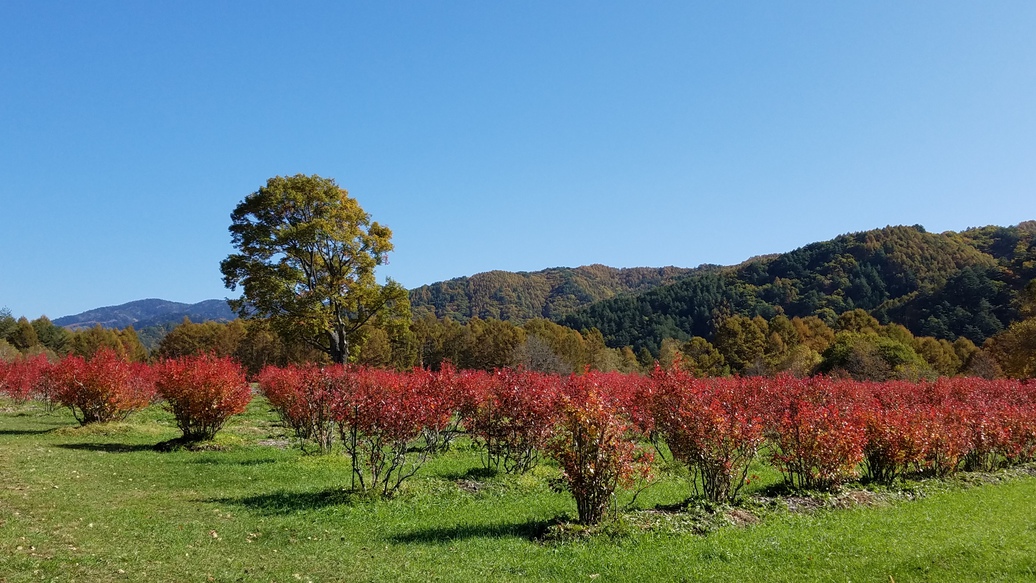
(375, 413)
(389, 422)
(819, 432)
(201, 392)
(939, 427)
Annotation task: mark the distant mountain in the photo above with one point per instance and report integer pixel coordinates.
(550, 293)
(946, 285)
(147, 313)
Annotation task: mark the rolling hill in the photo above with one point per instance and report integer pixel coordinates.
(945, 285)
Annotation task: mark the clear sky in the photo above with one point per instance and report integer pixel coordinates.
(514, 135)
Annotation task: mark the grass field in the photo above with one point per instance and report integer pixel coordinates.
(99, 504)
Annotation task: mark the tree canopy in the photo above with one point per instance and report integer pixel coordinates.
(306, 259)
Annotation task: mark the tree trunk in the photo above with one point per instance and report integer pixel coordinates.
(339, 347)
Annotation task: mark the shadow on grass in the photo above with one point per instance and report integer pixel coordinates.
(214, 461)
(285, 502)
(108, 447)
(472, 474)
(530, 529)
(27, 431)
(678, 507)
(778, 490)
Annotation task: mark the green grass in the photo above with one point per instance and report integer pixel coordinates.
(98, 504)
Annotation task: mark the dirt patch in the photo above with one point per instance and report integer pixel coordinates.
(807, 504)
(1028, 470)
(740, 517)
(852, 498)
(863, 498)
(803, 503)
(278, 443)
(470, 486)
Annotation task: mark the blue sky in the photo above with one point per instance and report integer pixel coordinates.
(498, 135)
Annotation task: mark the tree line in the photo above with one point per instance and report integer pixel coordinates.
(856, 346)
(21, 338)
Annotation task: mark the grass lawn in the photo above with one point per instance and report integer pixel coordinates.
(99, 504)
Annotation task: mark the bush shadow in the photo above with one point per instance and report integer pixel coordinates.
(26, 431)
(476, 474)
(286, 502)
(214, 462)
(530, 530)
(108, 447)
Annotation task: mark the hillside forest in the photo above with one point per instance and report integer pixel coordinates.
(892, 303)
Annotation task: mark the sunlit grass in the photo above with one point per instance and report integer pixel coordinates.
(99, 504)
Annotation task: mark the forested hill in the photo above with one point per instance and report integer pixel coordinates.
(944, 285)
(521, 296)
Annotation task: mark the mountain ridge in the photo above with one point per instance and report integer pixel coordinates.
(148, 312)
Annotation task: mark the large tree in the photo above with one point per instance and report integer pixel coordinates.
(306, 259)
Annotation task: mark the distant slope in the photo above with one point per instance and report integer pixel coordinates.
(521, 296)
(145, 313)
(950, 284)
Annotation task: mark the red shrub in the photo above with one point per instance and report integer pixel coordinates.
(594, 444)
(509, 412)
(1019, 445)
(896, 439)
(816, 434)
(305, 398)
(380, 414)
(280, 387)
(988, 434)
(202, 392)
(26, 379)
(948, 436)
(711, 425)
(957, 423)
(440, 393)
(102, 389)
